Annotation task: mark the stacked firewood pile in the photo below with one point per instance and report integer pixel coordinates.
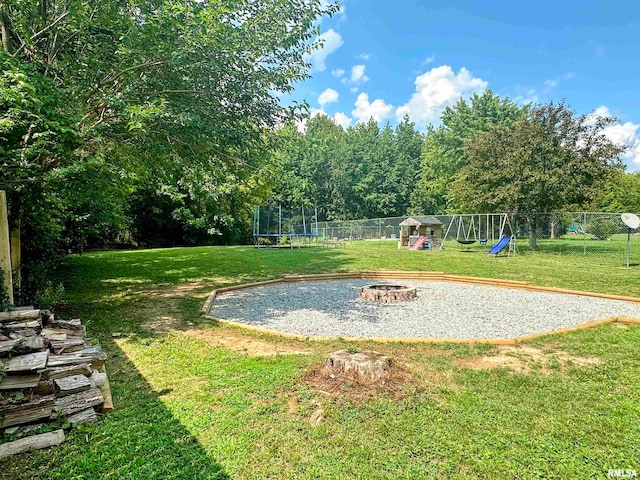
(51, 378)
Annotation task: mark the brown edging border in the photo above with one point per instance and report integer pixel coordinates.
(418, 275)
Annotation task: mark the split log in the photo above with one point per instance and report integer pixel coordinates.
(77, 402)
(18, 382)
(99, 379)
(26, 412)
(12, 397)
(26, 363)
(35, 442)
(45, 387)
(67, 346)
(30, 344)
(85, 416)
(22, 333)
(61, 333)
(72, 384)
(7, 346)
(20, 431)
(21, 315)
(59, 372)
(107, 406)
(93, 355)
(16, 327)
(366, 367)
(67, 325)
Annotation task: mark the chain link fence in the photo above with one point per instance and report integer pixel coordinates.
(570, 233)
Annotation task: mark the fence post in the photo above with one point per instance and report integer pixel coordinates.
(5, 249)
(584, 233)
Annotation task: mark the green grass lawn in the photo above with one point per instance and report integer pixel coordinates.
(187, 406)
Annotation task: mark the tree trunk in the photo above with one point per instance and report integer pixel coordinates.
(532, 222)
(366, 367)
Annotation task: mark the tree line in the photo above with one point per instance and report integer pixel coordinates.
(488, 154)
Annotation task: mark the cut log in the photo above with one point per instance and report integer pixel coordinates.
(367, 367)
(12, 397)
(7, 346)
(18, 382)
(98, 378)
(85, 416)
(35, 442)
(45, 387)
(59, 372)
(67, 325)
(77, 402)
(67, 346)
(22, 333)
(19, 315)
(26, 363)
(20, 431)
(30, 344)
(61, 333)
(93, 355)
(72, 384)
(26, 412)
(17, 327)
(107, 406)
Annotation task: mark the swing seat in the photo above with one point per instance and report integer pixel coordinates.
(465, 242)
(483, 241)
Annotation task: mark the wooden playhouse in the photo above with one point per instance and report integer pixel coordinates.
(412, 228)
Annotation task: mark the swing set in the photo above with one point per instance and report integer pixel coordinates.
(483, 227)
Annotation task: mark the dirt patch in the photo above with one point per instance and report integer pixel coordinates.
(524, 359)
(253, 347)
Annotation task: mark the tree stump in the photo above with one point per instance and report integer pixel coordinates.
(366, 367)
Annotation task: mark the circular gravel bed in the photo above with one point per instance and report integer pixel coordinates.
(333, 308)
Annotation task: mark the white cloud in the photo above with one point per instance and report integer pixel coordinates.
(627, 133)
(364, 56)
(429, 59)
(338, 72)
(342, 120)
(357, 74)
(339, 119)
(550, 84)
(378, 109)
(527, 95)
(328, 96)
(353, 89)
(437, 89)
(331, 41)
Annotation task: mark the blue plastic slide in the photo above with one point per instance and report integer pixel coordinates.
(496, 249)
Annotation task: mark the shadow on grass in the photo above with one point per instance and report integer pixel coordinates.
(118, 272)
(141, 439)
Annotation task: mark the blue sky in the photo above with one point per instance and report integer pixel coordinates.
(385, 58)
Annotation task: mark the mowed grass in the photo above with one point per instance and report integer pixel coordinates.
(187, 406)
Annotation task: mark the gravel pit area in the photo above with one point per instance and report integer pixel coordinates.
(333, 308)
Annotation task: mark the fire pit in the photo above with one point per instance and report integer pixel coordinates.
(387, 293)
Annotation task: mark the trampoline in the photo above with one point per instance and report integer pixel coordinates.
(277, 226)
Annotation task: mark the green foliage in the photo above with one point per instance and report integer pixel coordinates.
(546, 161)
(362, 172)
(621, 193)
(49, 296)
(444, 153)
(95, 100)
